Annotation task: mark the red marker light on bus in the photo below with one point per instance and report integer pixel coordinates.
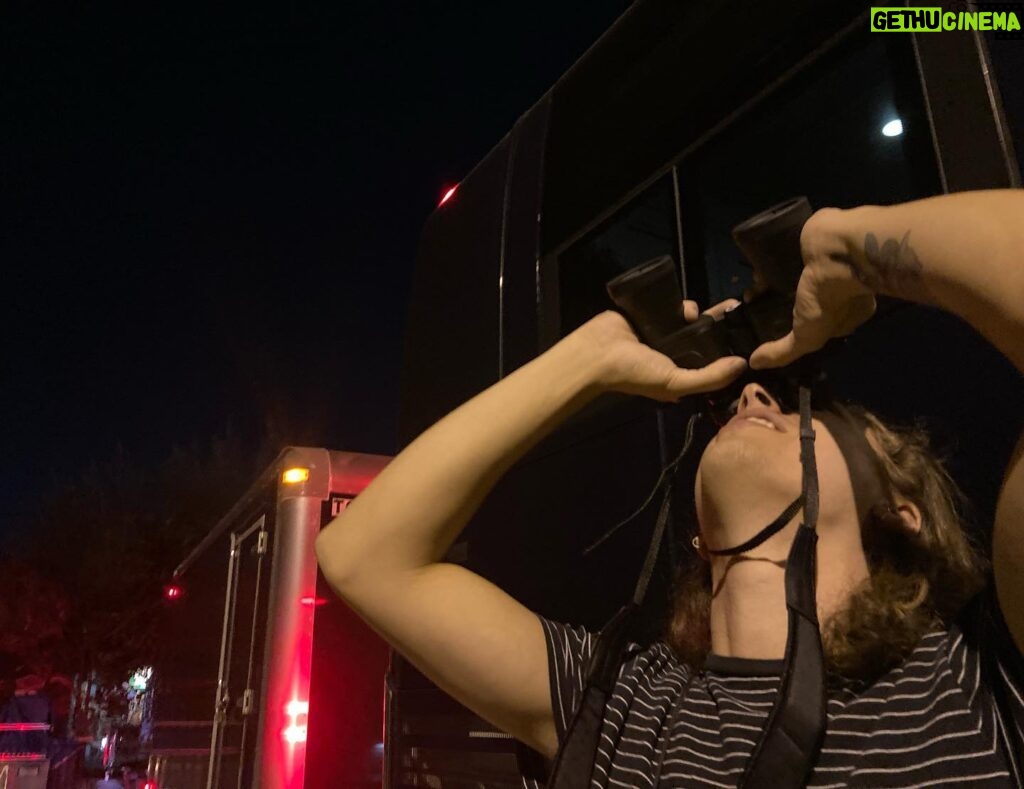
(173, 592)
(447, 195)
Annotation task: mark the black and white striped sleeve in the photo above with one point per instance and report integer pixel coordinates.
(569, 651)
(991, 660)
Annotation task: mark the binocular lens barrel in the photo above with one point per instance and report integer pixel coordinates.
(770, 240)
(650, 296)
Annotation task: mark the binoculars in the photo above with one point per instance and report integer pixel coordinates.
(650, 298)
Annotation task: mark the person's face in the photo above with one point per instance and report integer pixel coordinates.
(755, 458)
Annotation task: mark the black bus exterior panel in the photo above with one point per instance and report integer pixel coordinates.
(519, 298)
(1007, 59)
(451, 344)
(668, 73)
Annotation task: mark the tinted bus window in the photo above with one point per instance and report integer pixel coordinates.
(642, 229)
(831, 134)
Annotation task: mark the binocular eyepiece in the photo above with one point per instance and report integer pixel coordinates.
(650, 297)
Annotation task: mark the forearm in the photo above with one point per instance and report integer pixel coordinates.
(962, 252)
(412, 512)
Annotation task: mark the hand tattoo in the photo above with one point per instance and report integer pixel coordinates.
(893, 269)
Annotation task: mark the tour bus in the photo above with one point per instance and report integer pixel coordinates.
(682, 120)
(265, 678)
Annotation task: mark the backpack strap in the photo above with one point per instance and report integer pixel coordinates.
(574, 764)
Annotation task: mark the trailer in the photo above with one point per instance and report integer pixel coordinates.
(266, 679)
(682, 120)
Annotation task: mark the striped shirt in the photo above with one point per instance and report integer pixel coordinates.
(932, 721)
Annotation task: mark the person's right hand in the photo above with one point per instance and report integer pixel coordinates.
(832, 298)
(627, 365)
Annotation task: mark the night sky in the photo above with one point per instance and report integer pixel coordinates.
(210, 217)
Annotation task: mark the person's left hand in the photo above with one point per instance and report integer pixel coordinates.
(830, 300)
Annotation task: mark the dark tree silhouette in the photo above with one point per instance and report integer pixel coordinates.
(104, 546)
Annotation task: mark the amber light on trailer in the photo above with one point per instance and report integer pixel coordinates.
(293, 476)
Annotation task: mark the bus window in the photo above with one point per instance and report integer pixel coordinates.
(851, 129)
(642, 229)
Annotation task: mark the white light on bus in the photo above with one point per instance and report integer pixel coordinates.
(893, 128)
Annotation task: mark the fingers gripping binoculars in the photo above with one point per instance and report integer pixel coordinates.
(650, 297)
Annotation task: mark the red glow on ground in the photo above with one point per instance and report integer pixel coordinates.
(447, 195)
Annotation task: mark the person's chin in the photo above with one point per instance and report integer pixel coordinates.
(737, 453)
(732, 452)
(748, 435)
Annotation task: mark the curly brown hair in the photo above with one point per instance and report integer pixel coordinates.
(917, 581)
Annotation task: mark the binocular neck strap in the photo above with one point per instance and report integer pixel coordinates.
(785, 755)
(772, 528)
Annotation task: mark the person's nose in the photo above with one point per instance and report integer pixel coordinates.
(756, 396)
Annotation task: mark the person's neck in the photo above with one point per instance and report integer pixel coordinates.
(748, 606)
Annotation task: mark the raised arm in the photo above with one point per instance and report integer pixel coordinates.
(962, 252)
(383, 554)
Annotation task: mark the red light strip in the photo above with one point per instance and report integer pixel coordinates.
(24, 727)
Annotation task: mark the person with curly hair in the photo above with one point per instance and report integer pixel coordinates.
(922, 640)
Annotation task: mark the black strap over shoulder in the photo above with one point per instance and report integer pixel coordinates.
(574, 764)
(577, 754)
(787, 750)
